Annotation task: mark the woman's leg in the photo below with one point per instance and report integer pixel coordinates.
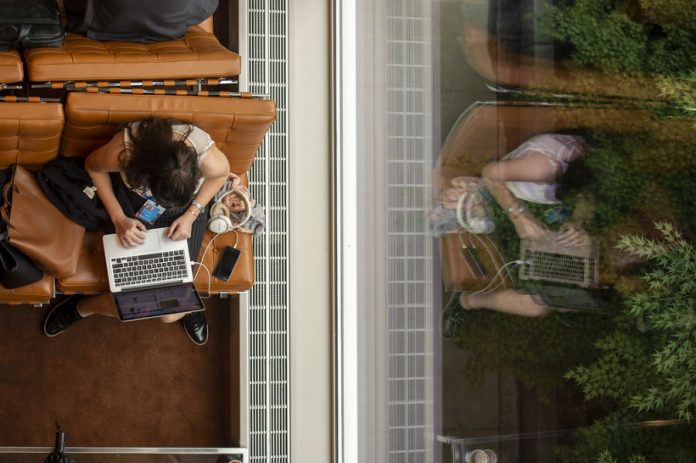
(101, 304)
(173, 318)
(506, 301)
(74, 308)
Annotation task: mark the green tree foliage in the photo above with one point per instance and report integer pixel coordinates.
(653, 370)
(624, 35)
(679, 13)
(647, 365)
(669, 307)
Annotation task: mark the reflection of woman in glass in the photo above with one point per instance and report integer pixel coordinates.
(532, 173)
(235, 202)
(237, 206)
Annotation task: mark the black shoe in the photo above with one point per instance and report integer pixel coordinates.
(196, 327)
(62, 315)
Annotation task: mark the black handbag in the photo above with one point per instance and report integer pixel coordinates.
(30, 24)
(16, 269)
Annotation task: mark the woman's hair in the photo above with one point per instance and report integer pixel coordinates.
(157, 160)
(576, 179)
(578, 175)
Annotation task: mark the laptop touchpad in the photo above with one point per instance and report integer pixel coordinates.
(152, 244)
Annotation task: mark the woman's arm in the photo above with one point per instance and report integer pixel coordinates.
(99, 164)
(572, 232)
(215, 170)
(535, 167)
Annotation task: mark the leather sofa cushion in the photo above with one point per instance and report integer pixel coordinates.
(91, 277)
(11, 69)
(29, 133)
(197, 54)
(242, 277)
(238, 125)
(37, 293)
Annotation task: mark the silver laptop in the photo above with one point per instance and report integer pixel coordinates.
(153, 279)
(547, 260)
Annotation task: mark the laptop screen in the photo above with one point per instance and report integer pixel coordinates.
(156, 302)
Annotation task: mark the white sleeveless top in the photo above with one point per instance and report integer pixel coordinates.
(560, 150)
(197, 138)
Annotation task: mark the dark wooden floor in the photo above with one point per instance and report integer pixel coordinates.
(108, 383)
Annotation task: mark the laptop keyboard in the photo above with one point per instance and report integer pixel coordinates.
(149, 268)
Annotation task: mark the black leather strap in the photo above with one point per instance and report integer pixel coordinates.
(24, 31)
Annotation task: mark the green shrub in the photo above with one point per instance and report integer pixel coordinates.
(647, 366)
(619, 36)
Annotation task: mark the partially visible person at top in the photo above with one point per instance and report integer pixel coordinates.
(175, 165)
(136, 20)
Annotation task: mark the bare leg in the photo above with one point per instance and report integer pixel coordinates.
(103, 304)
(506, 301)
(173, 318)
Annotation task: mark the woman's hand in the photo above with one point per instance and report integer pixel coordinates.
(573, 235)
(181, 227)
(131, 232)
(528, 227)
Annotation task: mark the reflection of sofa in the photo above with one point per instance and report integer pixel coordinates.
(509, 69)
(487, 131)
(32, 134)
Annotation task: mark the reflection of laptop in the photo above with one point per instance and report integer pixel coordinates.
(548, 260)
(153, 279)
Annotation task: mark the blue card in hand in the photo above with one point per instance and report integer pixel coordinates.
(150, 212)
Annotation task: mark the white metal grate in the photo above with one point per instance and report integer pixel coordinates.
(409, 246)
(265, 67)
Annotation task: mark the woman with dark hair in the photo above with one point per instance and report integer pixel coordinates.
(174, 165)
(533, 173)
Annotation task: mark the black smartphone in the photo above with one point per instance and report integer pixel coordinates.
(226, 264)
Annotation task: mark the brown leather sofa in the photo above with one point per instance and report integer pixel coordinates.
(32, 134)
(487, 131)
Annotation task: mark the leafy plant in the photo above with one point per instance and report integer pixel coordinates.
(647, 366)
(669, 12)
(654, 370)
(623, 35)
(669, 307)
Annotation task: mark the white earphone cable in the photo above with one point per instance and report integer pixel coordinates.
(201, 264)
(488, 288)
(207, 248)
(209, 277)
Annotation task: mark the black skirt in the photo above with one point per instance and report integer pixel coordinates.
(131, 202)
